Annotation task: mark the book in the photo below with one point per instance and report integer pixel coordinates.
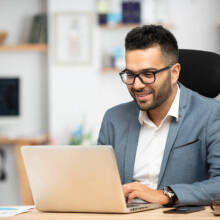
(131, 12)
(38, 33)
(136, 12)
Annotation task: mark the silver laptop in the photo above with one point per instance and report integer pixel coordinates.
(76, 179)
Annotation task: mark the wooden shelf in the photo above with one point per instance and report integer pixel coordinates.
(110, 70)
(24, 47)
(131, 25)
(31, 140)
(119, 26)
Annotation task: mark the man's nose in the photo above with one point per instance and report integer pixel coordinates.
(138, 83)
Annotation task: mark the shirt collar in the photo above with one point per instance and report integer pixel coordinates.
(173, 112)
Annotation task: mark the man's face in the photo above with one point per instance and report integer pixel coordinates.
(153, 95)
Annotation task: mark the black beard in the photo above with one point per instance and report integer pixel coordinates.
(163, 94)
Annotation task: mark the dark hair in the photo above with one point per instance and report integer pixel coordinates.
(149, 35)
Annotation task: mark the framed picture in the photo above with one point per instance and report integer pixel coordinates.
(73, 37)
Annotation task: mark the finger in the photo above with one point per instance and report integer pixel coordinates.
(130, 187)
(132, 195)
(126, 190)
(133, 185)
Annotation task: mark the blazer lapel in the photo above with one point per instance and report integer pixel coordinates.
(130, 151)
(173, 131)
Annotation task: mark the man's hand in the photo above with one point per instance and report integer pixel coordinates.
(140, 191)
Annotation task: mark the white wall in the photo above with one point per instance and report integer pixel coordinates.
(195, 23)
(77, 92)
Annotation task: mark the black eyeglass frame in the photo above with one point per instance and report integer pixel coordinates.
(154, 72)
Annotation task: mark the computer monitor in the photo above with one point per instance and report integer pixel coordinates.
(9, 97)
(9, 106)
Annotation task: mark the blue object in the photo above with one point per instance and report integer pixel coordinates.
(7, 209)
(78, 132)
(114, 18)
(118, 52)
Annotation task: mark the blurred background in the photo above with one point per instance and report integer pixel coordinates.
(59, 65)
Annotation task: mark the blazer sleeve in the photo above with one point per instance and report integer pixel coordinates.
(104, 133)
(201, 193)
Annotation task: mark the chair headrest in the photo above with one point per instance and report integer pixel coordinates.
(200, 71)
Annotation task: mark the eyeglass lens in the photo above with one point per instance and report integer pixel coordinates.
(130, 78)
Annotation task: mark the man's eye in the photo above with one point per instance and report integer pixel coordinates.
(147, 75)
(129, 75)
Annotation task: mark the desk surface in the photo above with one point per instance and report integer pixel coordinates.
(156, 214)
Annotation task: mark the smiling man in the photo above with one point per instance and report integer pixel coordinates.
(167, 141)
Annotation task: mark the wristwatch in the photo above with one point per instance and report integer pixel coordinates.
(172, 196)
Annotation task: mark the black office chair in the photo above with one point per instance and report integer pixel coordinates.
(200, 71)
(2, 165)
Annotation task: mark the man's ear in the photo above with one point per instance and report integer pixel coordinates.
(175, 72)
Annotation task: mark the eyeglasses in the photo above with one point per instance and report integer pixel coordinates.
(146, 76)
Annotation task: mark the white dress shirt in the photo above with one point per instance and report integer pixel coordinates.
(151, 145)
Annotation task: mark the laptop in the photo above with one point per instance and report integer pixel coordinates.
(77, 179)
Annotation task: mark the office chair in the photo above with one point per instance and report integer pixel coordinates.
(200, 71)
(2, 165)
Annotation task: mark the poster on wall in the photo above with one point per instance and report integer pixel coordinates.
(73, 37)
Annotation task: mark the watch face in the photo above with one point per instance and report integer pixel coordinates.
(168, 192)
(171, 194)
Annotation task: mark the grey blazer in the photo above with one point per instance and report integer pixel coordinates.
(191, 160)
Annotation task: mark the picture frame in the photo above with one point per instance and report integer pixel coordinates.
(73, 37)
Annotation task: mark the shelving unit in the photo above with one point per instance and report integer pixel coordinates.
(24, 47)
(119, 26)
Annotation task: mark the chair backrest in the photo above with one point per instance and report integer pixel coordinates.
(200, 71)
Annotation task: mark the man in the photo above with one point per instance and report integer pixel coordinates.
(167, 141)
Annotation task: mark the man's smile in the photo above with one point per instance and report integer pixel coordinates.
(143, 95)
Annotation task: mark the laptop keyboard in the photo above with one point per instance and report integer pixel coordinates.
(131, 205)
